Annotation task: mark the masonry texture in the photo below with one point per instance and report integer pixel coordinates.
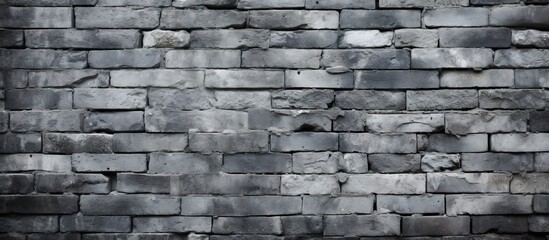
(274, 119)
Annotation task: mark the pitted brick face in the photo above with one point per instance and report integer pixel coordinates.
(274, 119)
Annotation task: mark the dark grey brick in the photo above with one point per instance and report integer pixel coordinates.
(522, 58)
(261, 4)
(240, 206)
(520, 16)
(247, 141)
(175, 78)
(11, 38)
(116, 17)
(206, 3)
(247, 225)
(394, 163)
(257, 163)
(184, 163)
(142, 183)
(184, 99)
(367, 59)
(499, 224)
(531, 78)
(35, 17)
(135, 58)
(341, 4)
(317, 79)
(29, 224)
(488, 204)
(230, 38)
(302, 225)
(20, 143)
(539, 121)
(442, 100)
(475, 37)
(310, 98)
(304, 39)
(24, 99)
(509, 162)
(309, 185)
(135, 204)
(305, 142)
(370, 100)
(58, 121)
(289, 120)
(281, 58)
(173, 19)
(436, 226)
(150, 142)
(73, 183)
(477, 79)
(16, 183)
(39, 204)
(380, 19)
(77, 143)
(327, 205)
(114, 121)
(293, 19)
(541, 204)
(452, 144)
(513, 99)
(80, 223)
(398, 79)
(42, 59)
(172, 224)
(378, 225)
(225, 184)
(124, 3)
(87, 39)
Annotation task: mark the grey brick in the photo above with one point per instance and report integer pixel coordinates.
(52, 3)
(488, 204)
(166, 39)
(380, 19)
(385, 184)
(240, 100)
(475, 37)
(353, 225)
(39, 204)
(452, 144)
(499, 224)
(493, 2)
(531, 78)
(302, 225)
(370, 100)
(422, 3)
(247, 225)
(436, 226)
(394, 163)
(149, 142)
(350, 121)
(530, 183)
(78, 223)
(377, 143)
(244, 79)
(531, 37)
(157, 78)
(240, 206)
(242, 184)
(110, 98)
(135, 204)
(476, 79)
(54, 236)
(468, 182)
(520, 16)
(14, 79)
(135, 58)
(513, 99)
(367, 59)
(260, 4)
(486, 122)
(20, 142)
(109, 162)
(354, 163)
(342, 4)
(69, 78)
(390, 123)
(116, 17)
(42, 59)
(23, 99)
(316, 162)
(281, 58)
(203, 58)
(36, 17)
(77, 143)
(440, 162)
(410, 204)
(523, 58)
(142, 183)
(160, 236)
(29, 224)
(538, 223)
(124, 3)
(397, 79)
(430, 58)
(305, 141)
(61, 121)
(424, 38)
(519, 142)
(541, 162)
(325, 205)
(172, 224)
(257, 163)
(184, 163)
(309, 185)
(318, 79)
(16, 183)
(309, 98)
(441, 100)
(4, 121)
(304, 39)
(290, 120)
(11, 38)
(456, 17)
(206, 3)
(102, 39)
(35, 162)
(293, 19)
(73, 183)
(247, 38)
(204, 121)
(173, 19)
(541, 205)
(114, 121)
(366, 39)
(184, 99)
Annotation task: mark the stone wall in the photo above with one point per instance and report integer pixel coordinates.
(274, 119)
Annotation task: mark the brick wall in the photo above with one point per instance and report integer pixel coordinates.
(274, 119)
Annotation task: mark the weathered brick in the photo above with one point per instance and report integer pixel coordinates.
(370, 100)
(77, 143)
(422, 3)
(520, 16)
(302, 225)
(499, 224)
(436, 226)
(68, 78)
(124, 3)
(88, 39)
(281, 58)
(456, 17)
(257, 163)
(380, 19)
(441, 99)
(135, 204)
(531, 37)
(476, 79)
(424, 38)
(247, 225)
(35, 162)
(239, 100)
(160, 236)
(486, 122)
(317, 79)
(342, 4)
(316, 162)
(244, 79)
(354, 163)
(203, 58)
(116, 17)
(109, 162)
(304, 39)
(522, 58)
(184, 99)
(377, 143)
(366, 38)
(20, 142)
(55, 121)
(538, 223)
(519, 142)
(397, 79)
(184, 163)
(11, 38)
(513, 99)
(391, 123)
(541, 205)
(54, 236)
(23, 99)
(206, 3)
(530, 183)
(35, 17)
(166, 39)
(74, 183)
(78, 223)
(310, 98)
(261, 4)
(248, 38)
(350, 121)
(135, 58)
(242, 184)
(473, 162)
(203, 121)
(29, 224)
(325, 205)
(305, 141)
(367, 59)
(385, 184)
(4, 121)
(240, 206)
(488, 204)
(172, 224)
(42, 59)
(293, 19)
(468, 182)
(110, 98)
(541, 162)
(290, 120)
(114, 121)
(16, 183)
(14, 79)
(191, 19)
(475, 37)
(452, 144)
(493, 2)
(394, 163)
(355, 225)
(439, 162)
(142, 183)
(149, 142)
(531, 78)
(157, 78)
(430, 58)
(39, 204)
(411, 204)
(309, 185)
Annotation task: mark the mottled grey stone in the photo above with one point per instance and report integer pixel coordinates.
(28, 3)
(302, 225)
(385, 184)
(439, 162)
(281, 58)
(531, 37)
(370, 100)
(476, 79)
(520, 16)
(310, 98)
(184, 99)
(541, 203)
(135, 204)
(325, 205)
(354, 163)
(390, 123)
(522, 58)
(124, 3)
(135, 58)
(423, 38)
(441, 99)
(142, 183)
(240, 100)
(79, 223)
(366, 39)
(16, 183)
(51, 120)
(530, 183)
(350, 121)
(77, 143)
(20, 142)
(304, 39)
(456, 17)
(293, 19)
(430, 58)
(86, 78)
(35, 17)
(247, 141)
(317, 79)
(493, 2)
(173, 224)
(486, 122)
(157, 78)
(114, 121)
(241, 184)
(244, 79)
(206, 3)
(377, 143)
(519, 142)
(257, 163)
(425, 204)
(87, 39)
(4, 121)
(111, 98)
(341, 4)
(23, 99)
(436, 226)
(532, 78)
(184, 163)
(475, 37)
(422, 3)
(54, 236)
(144, 236)
(11, 38)
(316, 162)
(247, 225)
(488, 204)
(380, 19)
(39, 204)
(109, 162)
(204, 121)
(367, 58)
(166, 39)
(290, 120)
(247, 38)
(396, 79)
(542, 162)
(209, 58)
(191, 19)
(499, 224)
(42, 59)
(116, 17)
(73, 183)
(35, 162)
(538, 223)
(468, 182)
(394, 163)
(309, 185)
(353, 225)
(240, 206)
(150, 142)
(260, 4)
(453, 144)
(513, 99)
(304, 141)
(29, 224)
